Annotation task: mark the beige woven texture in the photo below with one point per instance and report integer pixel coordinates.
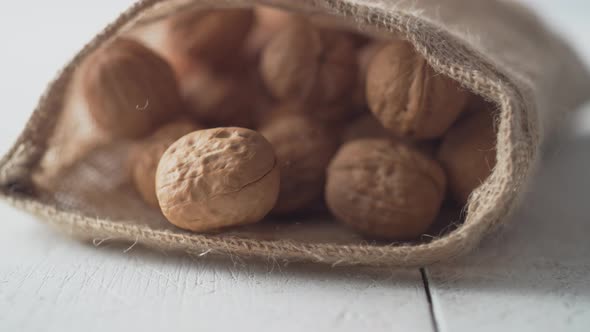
(496, 49)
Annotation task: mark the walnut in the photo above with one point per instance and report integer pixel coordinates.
(408, 97)
(129, 89)
(211, 36)
(309, 65)
(216, 178)
(468, 153)
(220, 99)
(384, 189)
(303, 148)
(146, 156)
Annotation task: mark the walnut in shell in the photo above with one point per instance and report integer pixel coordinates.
(364, 57)
(268, 21)
(384, 189)
(146, 156)
(211, 36)
(128, 88)
(303, 148)
(468, 153)
(408, 97)
(309, 65)
(216, 178)
(219, 99)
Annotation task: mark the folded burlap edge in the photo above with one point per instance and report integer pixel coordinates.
(488, 206)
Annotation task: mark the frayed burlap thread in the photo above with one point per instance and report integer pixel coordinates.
(494, 48)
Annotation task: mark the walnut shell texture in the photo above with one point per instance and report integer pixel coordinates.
(147, 155)
(303, 148)
(408, 96)
(384, 189)
(216, 178)
(212, 36)
(309, 65)
(129, 89)
(468, 153)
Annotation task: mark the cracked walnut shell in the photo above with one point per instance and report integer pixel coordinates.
(216, 178)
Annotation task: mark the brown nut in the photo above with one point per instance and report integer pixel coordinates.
(384, 189)
(146, 156)
(468, 153)
(218, 99)
(408, 97)
(303, 148)
(268, 21)
(217, 177)
(211, 36)
(309, 65)
(128, 88)
(364, 57)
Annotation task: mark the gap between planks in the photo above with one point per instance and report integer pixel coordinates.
(433, 318)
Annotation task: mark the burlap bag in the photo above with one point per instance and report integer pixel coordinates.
(496, 49)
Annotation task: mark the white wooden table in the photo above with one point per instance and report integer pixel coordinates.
(534, 276)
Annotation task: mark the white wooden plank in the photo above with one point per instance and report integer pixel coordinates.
(535, 275)
(50, 282)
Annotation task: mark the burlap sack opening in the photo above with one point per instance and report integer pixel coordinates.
(496, 49)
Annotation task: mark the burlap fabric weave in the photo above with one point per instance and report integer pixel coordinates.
(496, 49)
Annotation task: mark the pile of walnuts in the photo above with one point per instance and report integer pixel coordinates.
(238, 113)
